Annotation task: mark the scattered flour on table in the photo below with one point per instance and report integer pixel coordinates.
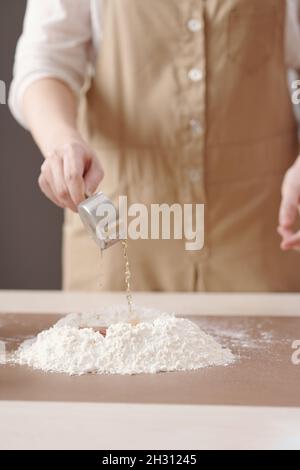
(241, 334)
(159, 342)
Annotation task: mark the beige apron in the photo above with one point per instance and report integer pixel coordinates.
(191, 111)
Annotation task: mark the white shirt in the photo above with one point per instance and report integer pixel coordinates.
(61, 39)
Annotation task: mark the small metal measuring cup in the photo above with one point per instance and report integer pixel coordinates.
(101, 219)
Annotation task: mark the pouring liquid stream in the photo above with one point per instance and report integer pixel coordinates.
(127, 276)
(90, 219)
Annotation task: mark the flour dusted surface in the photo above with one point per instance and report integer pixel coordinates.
(159, 342)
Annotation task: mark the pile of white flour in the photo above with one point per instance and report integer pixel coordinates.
(159, 342)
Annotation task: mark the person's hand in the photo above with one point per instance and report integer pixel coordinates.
(289, 209)
(69, 173)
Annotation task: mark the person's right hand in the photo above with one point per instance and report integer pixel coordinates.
(69, 173)
(289, 209)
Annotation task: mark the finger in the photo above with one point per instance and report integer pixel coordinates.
(47, 191)
(292, 242)
(286, 247)
(73, 175)
(58, 183)
(46, 183)
(284, 232)
(289, 207)
(93, 176)
(286, 235)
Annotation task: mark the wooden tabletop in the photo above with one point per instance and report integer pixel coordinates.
(36, 413)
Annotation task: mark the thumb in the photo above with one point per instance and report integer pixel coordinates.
(93, 176)
(289, 207)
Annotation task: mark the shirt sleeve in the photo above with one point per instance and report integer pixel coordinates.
(56, 42)
(292, 35)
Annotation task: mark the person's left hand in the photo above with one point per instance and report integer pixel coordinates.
(289, 208)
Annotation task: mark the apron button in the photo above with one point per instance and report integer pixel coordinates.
(196, 127)
(194, 25)
(195, 75)
(194, 175)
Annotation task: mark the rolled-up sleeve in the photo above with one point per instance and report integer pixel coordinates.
(292, 34)
(56, 42)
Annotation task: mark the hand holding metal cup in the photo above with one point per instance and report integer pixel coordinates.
(100, 217)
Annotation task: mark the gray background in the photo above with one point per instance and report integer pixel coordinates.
(30, 226)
